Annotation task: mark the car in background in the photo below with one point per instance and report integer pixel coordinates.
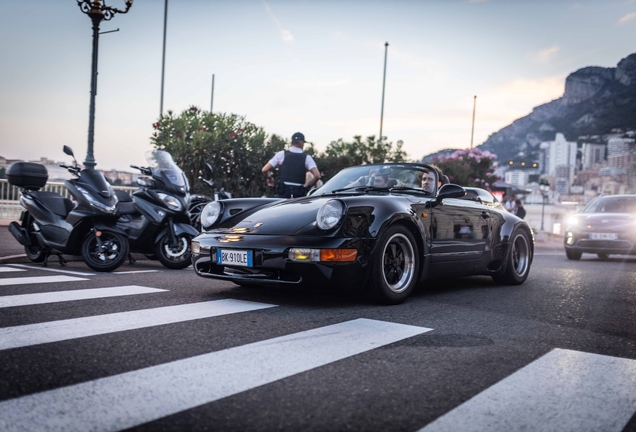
(606, 226)
(371, 228)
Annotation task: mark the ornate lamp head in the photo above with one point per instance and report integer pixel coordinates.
(98, 9)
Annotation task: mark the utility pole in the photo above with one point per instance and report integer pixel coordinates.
(212, 97)
(163, 60)
(472, 132)
(386, 48)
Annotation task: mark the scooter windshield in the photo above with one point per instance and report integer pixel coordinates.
(161, 162)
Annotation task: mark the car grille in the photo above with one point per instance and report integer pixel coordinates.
(605, 244)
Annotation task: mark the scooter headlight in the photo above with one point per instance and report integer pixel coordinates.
(211, 214)
(97, 204)
(170, 201)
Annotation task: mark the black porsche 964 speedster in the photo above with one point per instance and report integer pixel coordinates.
(378, 228)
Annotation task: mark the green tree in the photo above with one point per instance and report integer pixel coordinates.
(470, 167)
(340, 154)
(235, 148)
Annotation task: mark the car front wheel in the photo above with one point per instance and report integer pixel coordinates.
(573, 254)
(394, 266)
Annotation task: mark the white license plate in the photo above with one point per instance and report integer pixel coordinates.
(603, 236)
(234, 257)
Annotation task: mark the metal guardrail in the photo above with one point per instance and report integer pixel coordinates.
(10, 207)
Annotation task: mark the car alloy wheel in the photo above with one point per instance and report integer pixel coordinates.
(394, 266)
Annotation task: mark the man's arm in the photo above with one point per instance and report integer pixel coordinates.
(316, 176)
(267, 171)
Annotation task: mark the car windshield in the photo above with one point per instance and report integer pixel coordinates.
(407, 178)
(613, 204)
(160, 160)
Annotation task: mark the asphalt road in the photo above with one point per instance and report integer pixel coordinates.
(154, 349)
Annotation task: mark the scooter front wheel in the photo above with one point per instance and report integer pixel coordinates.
(174, 256)
(106, 252)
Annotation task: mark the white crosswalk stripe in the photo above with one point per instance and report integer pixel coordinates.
(55, 270)
(133, 398)
(562, 391)
(38, 280)
(83, 294)
(10, 269)
(54, 331)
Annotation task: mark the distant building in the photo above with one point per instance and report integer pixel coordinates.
(592, 154)
(5, 163)
(121, 177)
(560, 156)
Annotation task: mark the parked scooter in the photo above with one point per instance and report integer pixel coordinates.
(54, 225)
(156, 218)
(198, 202)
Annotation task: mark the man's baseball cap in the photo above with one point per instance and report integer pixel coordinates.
(298, 136)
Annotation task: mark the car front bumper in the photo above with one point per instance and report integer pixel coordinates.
(271, 265)
(581, 242)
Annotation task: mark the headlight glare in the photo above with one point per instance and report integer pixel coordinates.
(211, 214)
(330, 214)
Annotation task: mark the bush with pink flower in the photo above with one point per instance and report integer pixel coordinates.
(469, 167)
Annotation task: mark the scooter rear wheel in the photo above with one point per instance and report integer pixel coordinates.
(110, 255)
(35, 254)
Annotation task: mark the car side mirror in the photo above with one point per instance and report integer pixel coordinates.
(450, 191)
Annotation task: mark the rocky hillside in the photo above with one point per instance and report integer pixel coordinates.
(595, 101)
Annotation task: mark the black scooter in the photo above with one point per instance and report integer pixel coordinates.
(156, 218)
(54, 225)
(198, 202)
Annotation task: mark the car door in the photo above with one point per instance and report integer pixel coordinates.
(459, 230)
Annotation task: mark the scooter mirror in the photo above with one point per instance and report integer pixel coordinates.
(209, 170)
(68, 151)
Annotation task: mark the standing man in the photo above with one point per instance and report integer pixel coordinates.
(294, 164)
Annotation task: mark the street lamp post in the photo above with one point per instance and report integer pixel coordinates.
(97, 11)
(386, 49)
(544, 186)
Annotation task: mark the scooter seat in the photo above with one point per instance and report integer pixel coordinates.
(55, 202)
(126, 208)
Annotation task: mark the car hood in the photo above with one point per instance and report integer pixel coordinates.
(606, 221)
(283, 218)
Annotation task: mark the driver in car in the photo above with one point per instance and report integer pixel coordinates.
(377, 178)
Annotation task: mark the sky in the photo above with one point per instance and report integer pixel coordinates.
(315, 67)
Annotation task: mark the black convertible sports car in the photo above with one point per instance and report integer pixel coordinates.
(370, 227)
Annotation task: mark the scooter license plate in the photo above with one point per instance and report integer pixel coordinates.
(242, 258)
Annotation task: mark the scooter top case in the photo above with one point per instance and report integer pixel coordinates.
(27, 175)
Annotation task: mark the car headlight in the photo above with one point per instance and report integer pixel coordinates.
(170, 201)
(97, 204)
(573, 221)
(330, 214)
(211, 214)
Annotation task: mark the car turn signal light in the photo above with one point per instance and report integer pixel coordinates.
(338, 255)
(323, 255)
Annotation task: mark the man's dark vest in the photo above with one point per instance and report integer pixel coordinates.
(292, 169)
